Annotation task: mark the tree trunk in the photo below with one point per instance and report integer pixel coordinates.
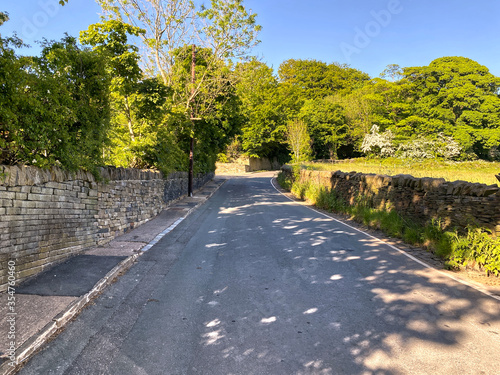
(129, 120)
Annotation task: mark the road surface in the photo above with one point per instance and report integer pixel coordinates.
(253, 283)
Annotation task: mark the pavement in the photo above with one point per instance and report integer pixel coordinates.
(47, 302)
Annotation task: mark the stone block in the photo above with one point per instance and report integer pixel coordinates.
(45, 205)
(11, 175)
(21, 196)
(7, 195)
(431, 184)
(47, 190)
(7, 202)
(490, 190)
(14, 211)
(35, 197)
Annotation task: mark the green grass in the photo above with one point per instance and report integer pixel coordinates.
(473, 171)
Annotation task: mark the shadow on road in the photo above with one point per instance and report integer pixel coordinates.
(320, 296)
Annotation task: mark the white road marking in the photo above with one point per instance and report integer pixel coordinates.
(161, 235)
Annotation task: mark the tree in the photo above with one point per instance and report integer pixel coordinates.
(226, 28)
(169, 25)
(218, 109)
(326, 124)
(54, 109)
(216, 35)
(393, 72)
(298, 140)
(110, 39)
(264, 129)
(379, 144)
(375, 103)
(4, 17)
(140, 136)
(456, 96)
(302, 80)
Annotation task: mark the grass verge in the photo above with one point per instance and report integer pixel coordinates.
(472, 171)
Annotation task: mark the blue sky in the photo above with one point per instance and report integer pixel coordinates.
(367, 34)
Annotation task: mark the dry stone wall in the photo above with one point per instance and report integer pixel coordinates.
(128, 199)
(49, 215)
(457, 203)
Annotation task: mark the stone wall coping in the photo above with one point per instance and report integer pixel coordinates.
(26, 175)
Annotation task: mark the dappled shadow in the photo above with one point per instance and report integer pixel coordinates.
(314, 296)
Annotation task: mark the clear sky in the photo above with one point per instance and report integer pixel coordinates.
(367, 34)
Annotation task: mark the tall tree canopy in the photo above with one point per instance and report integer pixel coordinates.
(456, 96)
(264, 128)
(223, 33)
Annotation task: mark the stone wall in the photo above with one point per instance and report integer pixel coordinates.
(245, 165)
(264, 164)
(231, 168)
(457, 203)
(49, 215)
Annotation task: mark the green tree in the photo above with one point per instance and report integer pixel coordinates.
(110, 39)
(226, 28)
(264, 129)
(302, 80)
(141, 136)
(378, 102)
(54, 109)
(456, 96)
(214, 103)
(327, 126)
(4, 17)
(393, 72)
(224, 32)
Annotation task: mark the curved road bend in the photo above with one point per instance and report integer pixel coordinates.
(253, 283)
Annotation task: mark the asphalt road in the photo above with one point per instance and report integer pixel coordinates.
(253, 283)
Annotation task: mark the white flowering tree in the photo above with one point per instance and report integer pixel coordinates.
(426, 148)
(377, 143)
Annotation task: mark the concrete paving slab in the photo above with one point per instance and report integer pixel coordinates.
(33, 312)
(72, 278)
(117, 248)
(147, 232)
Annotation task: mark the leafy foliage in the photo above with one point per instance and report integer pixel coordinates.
(139, 136)
(378, 143)
(424, 148)
(264, 123)
(298, 140)
(326, 124)
(54, 109)
(476, 248)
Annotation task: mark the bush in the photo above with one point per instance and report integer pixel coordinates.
(54, 109)
(425, 148)
(476, 248)
(379, 144)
